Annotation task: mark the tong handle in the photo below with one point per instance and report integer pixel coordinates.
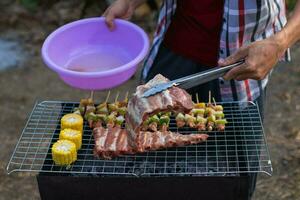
(205, 76)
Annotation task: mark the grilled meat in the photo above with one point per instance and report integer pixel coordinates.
(165, 139)
(112, 142)
(139, 108)
(147, 121)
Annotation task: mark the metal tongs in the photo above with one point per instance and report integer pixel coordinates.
(192, 80)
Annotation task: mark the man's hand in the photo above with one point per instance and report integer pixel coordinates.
(260, 57)
(120, 9)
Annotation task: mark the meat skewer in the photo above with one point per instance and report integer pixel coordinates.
(199, 111)
(119, 121)
(153, 123)
(159, 121)
(201, 123)
(92, 94)
(97, 116)
(101, 113)
(211, 122)
(111, 120)
(145, 125)
(125, 101)
(90, 112)
(82, 107)
(190, 120)
(106, 114)
(164, 121)
(122, 106)
(220, 121)
(210, 113)
(113, 107)
(102, 108)
(180, 120)
(219, 112)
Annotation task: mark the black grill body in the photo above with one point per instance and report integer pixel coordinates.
(56, 187)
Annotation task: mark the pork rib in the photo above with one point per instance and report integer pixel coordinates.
(112, 142)
(160, 140)
(139, 108)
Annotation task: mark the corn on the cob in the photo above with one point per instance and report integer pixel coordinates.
(72, 135)
(64, 152)
(73, 121)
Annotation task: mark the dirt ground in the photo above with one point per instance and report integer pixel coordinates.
(29, 80)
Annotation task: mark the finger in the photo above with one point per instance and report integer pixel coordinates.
(105, 13)
(126, 17)
(240, 54)
(221, 61)
(244, 76)
(109, 20)
(236, 71)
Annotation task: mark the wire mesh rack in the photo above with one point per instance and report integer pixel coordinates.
(241, 148)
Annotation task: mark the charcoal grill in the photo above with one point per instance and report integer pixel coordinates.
(225, 159)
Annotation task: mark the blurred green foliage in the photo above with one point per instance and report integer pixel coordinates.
(30, 4)
(291, 4)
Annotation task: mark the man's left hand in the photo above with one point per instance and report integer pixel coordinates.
(260, 57)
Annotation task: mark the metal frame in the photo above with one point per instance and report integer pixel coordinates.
(241, 148)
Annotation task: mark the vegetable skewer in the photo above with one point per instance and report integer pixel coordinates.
(122, 106)
(113, 107)
(199, 112)
(164, 121)
(153, 123)
(219, 122)
(190, 120)
(203, 116)
(180, 120)
(102, 108)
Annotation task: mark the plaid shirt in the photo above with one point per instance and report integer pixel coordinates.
(244, 21)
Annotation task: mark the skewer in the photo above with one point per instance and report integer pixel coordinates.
(117, 96)
(153, 123)
(190, 120)
(92, 94)
(126, 96)
(164, 122)
(112, 113)
(209, 97)
(90, 109)
(122, 105)
(107, 97)
(214, 101)
(113, 107)
(102, 107)
(197, 98)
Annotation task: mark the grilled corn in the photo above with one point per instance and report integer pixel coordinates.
(72, 121)
(72, 135)
(64, 152)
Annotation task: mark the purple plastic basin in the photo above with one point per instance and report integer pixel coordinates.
(87, 55)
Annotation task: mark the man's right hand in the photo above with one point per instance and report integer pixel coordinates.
(120, 9)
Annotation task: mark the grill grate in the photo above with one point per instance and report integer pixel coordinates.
(241, 148)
